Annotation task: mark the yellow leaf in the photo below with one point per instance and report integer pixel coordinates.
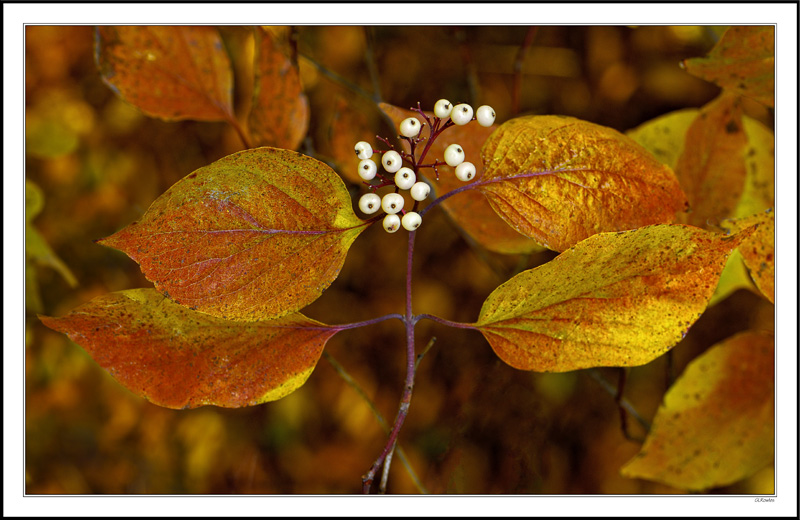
(758, 250)
(614, 299)
(716, 425)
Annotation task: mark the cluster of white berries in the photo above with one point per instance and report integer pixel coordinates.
(405, 178)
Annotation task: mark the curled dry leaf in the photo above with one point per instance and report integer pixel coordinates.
(614, 299)
(179, 358)
(716, 425)
(711, 168)
(758, 250)
(254, 236)
(170, 72)
(743, 61)
(469, 210)
(279, 116)
(560, 180)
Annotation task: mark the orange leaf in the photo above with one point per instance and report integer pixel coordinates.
(179, 358)
(743, 61)
(560, 180)
(470, 209)
(279, 116)
(711, 168)
(665, 137)
(758, 250)
(716, 425)
(170, 72)
(256, 235)
(614, 299)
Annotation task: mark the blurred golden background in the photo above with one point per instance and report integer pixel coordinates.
(475, 424)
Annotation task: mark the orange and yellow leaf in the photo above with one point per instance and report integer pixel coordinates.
(179, 358)
(716, 425)
(614, 299)
(256, 235)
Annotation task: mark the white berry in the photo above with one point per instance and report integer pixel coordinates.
(420, 191)
(442, 108)
(369, 203)
(454, 155)
(405, 178)
(410, 127)
(462, 114)
(363, 150)
(485, 115)
(367, 169)
(391, 223)
(392, 203)
(465, 171)
(411, 220)
(391, 161)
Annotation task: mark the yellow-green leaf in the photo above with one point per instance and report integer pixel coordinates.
(469, 210)
(716, 425)
(743, 61)
(758, 250)
(170, 72)
(254, 236)
(711, 168)
(614, 299)
(179, 358)
(279, 116)
(560, 180)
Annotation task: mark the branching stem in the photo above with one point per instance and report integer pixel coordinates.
(411, 366)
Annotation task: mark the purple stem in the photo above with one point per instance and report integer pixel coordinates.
(442, 321)
(405, 400)
(479, 183)
(355, 325)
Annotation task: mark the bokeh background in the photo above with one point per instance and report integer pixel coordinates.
(475, 425)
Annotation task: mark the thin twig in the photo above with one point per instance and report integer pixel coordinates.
(369, 57)
(622, 402)
(381, 421)
(425, 350)
(339, 79)
(523, 50)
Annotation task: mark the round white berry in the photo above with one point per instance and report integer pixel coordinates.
(367, 169)
(465, 171)
(411, 220)
(410, 127)
(420, 191)
(462, 114)
(391, 161)
(485, 115)
(454, 155)
(369, 203)
(392, 203)
(391, 223)
(442, 108)
(363, 150)
(405, 178)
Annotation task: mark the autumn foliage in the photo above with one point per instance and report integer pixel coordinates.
(588, 253)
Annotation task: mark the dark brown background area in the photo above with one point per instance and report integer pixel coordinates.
(475, 424)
